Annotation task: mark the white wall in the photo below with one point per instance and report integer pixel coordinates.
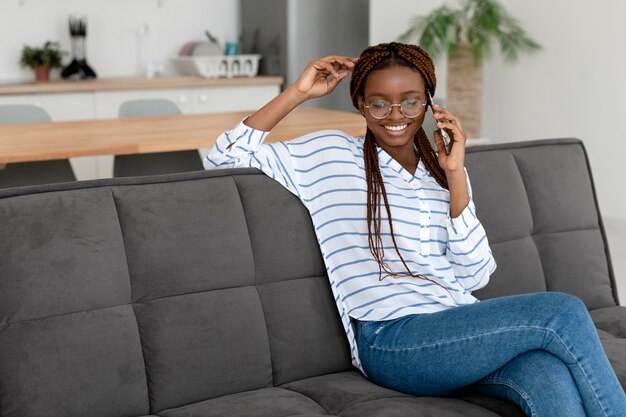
(573, 87)
(113, 48)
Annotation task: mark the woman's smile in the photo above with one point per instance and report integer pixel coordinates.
(396, 129)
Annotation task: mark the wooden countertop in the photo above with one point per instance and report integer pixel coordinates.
(59, 140)
(132, 83)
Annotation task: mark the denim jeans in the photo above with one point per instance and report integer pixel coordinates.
(539, 350)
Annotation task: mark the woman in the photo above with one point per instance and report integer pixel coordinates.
(404, 249)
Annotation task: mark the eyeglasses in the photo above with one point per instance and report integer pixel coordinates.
(380, 109)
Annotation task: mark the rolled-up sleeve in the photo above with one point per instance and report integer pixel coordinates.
(468, 248)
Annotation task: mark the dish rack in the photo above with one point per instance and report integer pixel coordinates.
(215, 66)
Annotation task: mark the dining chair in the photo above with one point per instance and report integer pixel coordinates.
(158, 162)
(31, 173)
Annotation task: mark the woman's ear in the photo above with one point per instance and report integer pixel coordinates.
(361, 105)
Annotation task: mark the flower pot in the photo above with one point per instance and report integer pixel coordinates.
(465, 86)
(42, 73)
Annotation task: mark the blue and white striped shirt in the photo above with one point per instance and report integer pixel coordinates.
(326, 171)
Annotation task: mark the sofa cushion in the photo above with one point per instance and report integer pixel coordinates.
(416, 407)
(183, 237)
(341, 391)
(604, 335)
(503, 203)
(575, 262)
(615, 348)
(519, 269)
(204, 345)
(78, 364)
(61, 252)
(610, 319)
(267, 402)
(498, 406)
(306, 337)
(336, 391)
(611, 324)
(558, 186)
(281, 232)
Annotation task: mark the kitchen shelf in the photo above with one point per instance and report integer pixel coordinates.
(133, 83)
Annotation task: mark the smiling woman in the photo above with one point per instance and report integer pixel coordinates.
(404, 249)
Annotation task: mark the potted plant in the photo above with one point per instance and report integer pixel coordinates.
(41, 60)
(467, 34)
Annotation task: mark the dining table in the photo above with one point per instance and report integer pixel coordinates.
(67, 139)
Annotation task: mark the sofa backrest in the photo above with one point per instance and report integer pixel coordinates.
(124, 297)
(128, 296)
(537, 202)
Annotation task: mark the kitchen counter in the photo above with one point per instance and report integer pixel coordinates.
(133, 83)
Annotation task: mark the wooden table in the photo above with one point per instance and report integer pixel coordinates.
(60, 140)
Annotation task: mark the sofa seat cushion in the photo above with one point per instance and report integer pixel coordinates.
(416, 407)
(500, 407)
(610, 319)
(615, 349)
(351, 394)
(264, 402)
(611, 325)
(604, 335)
(337, 391)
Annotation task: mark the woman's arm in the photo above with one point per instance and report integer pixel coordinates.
(468, 248)
(242, 146)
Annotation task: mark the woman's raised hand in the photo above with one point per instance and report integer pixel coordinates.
(321, 76)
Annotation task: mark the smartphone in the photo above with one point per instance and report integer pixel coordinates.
(444, 135)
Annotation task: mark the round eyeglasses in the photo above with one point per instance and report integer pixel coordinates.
(380, 109)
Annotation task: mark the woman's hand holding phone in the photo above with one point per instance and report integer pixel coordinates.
(452, 157)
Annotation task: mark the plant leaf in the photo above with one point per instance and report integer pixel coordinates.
(478, 23)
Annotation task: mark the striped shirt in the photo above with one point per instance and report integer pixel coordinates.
(325, 170)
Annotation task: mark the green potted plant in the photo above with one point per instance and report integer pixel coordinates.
(41, 60)
(467, 35)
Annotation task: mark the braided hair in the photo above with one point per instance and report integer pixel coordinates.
(374, 58)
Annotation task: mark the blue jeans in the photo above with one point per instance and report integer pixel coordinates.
(538, 350)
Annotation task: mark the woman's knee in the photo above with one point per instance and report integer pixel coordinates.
(561, 304)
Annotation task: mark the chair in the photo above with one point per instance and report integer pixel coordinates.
(31, 173)
(154, 163)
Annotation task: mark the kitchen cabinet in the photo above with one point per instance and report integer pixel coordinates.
(61, 107)
(233, 98)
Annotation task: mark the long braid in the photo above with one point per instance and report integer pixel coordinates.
(372, 58)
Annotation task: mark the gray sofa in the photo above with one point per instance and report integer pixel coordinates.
(204, 294)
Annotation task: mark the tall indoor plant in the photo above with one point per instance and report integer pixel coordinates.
(467, 34)
(41, 60)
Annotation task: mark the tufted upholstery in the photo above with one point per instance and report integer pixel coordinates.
(204, 294)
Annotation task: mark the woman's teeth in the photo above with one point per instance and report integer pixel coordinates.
(396, 127)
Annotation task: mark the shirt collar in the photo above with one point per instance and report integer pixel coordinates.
(386, 159)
